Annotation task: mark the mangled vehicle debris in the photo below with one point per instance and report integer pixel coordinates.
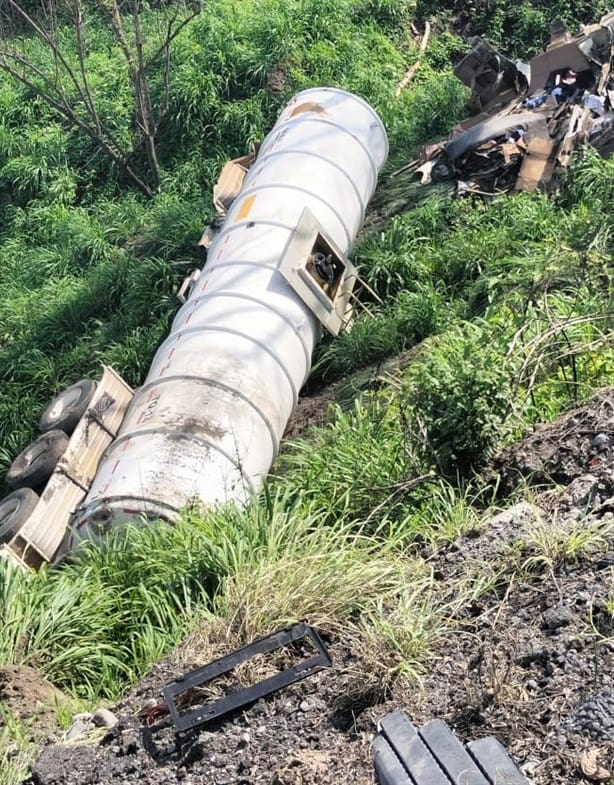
(528, 118)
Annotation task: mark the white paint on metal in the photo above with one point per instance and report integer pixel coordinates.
(207, 423)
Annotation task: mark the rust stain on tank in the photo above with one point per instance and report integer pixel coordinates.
(308, 106)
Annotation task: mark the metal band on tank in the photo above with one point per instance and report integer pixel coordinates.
(221, 329)
(190, 437)
(265, 307)
(299, 97)
(285, 187)
(118, 498)
(208, 382)
(240, 263)
(322, 120)
(261, 161)
(226, 229)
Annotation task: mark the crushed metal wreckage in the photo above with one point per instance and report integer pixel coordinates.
(528, 118)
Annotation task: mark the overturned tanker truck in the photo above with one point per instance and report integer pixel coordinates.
(206, 424)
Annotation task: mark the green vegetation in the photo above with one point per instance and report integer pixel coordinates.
(505, 308)
(16, 748)
(549, 544)
(522, 29)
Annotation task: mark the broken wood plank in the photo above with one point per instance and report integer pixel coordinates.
(407, 79)
(537, 165)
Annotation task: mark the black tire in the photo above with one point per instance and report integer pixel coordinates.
(34, 465)
(15, 509)
(67, 408)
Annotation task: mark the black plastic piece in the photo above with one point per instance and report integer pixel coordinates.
(495, 762)
(451, 754)
(433, 755)
(388, 767)
(403, 737)
(174, 691)
(397, 727)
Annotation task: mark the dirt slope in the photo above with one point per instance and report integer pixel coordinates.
(530, 661)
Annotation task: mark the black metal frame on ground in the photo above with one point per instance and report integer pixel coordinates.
(174, 691)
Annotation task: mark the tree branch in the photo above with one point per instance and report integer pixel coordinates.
(172, 34)
(55, 84)
(81, 49)
(414, 68)
(115, 155)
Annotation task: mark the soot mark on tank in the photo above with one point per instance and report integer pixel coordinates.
(202, 428)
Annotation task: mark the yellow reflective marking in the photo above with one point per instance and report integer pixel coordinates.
(246, 207)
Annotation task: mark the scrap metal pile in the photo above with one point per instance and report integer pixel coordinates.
(528, 118)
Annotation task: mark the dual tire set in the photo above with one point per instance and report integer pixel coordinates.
(33, 467)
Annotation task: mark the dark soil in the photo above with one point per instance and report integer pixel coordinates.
(529, 661)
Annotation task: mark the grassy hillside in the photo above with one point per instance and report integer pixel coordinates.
(506, 307)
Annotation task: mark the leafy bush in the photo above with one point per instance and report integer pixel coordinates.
(382, 333)
(458, 394)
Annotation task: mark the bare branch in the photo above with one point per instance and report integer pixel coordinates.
(409, 76)
(171, 35)
(81, 49)
(48, 37)
(55, 84)
(143, 99)
(52, 94)
(115, 155)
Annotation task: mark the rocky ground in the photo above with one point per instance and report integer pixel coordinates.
(529, 661)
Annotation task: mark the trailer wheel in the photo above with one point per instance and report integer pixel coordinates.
(34, 465)
(67, 408)
(15, 509)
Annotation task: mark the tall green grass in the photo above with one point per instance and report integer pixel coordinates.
(95, 624)
(17, 751)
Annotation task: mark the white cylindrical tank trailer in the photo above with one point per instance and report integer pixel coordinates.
(207, 422)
